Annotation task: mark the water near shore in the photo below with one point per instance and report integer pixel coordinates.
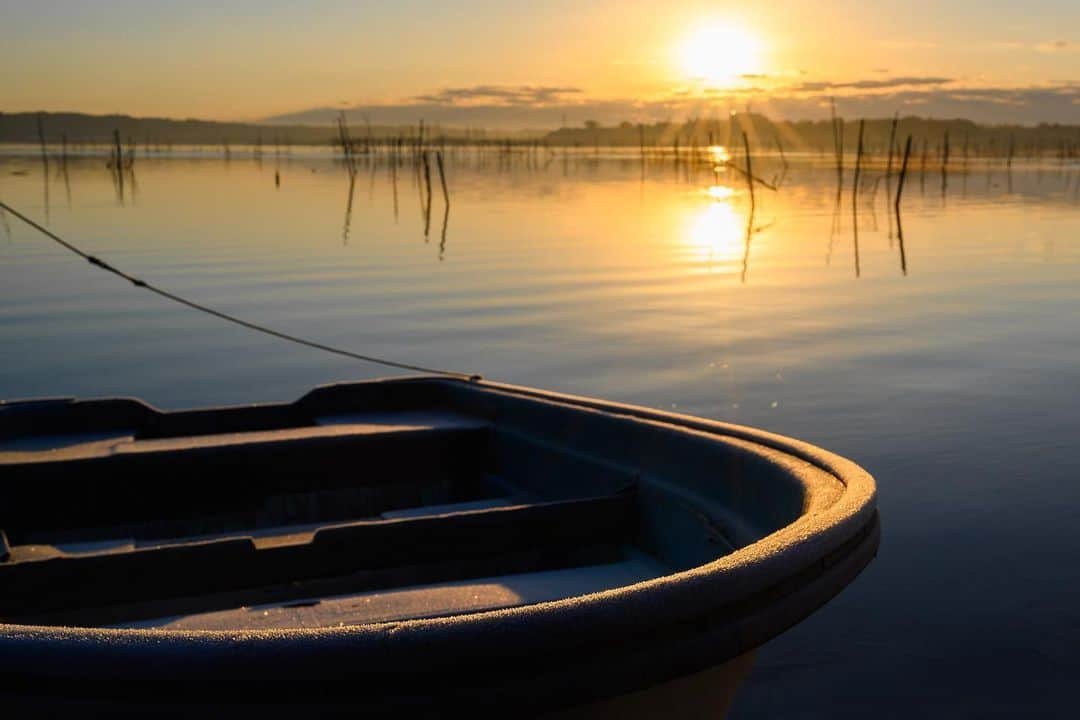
(947, 362)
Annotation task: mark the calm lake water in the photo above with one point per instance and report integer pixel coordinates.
(956, 384)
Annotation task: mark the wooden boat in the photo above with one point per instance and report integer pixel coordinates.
(411, 545)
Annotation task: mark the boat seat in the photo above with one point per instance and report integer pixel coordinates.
(225, 572)
(154, 488)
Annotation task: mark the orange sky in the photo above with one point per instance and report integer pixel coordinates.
(253, 59)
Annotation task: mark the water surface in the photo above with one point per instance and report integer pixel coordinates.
(947, 364)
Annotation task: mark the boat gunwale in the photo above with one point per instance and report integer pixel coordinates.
(577, 625)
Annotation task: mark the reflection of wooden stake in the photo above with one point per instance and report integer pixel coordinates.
(746, 244)
(442, 240)
(348, 210)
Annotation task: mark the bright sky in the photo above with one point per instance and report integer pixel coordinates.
(245, 59)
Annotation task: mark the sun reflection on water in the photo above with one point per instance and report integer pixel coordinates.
(715, 232)
(719, 154)
(719, 192)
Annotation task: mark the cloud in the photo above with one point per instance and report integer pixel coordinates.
(910, 44)
(1047, 47)
(889, 83)
(1058, 46)
(521, 95)
(1027, 105)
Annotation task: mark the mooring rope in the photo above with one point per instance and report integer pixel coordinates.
(137, 282)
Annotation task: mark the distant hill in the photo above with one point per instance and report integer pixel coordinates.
(505, 121)
(963, 135)
(81, 128)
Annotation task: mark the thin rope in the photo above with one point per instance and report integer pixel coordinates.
(137, 282)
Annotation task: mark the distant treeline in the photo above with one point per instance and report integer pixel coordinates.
(959, 136)
(78, 128)
(955, 137)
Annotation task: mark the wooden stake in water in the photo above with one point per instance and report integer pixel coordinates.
(892, 142)
(427, 184)
(393, 176)
(44, 162)
(896, 206)
(119, 162)
(446, 209)
(903, 175)
(858, 167)
(749, 170)
(945, 163)
(41, 140)
(442, 178)
(780, 148)
(64, 167)
(838, 141)
(346, 143)
(855, 196)
(118, 158)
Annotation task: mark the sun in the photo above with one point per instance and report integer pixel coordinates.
(720, 53)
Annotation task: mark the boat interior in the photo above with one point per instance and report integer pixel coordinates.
(363, 502)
